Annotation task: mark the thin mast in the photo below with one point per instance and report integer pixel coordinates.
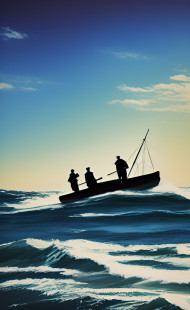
(138, 152)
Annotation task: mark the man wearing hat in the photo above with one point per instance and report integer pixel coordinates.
(90, 179)
(73, 180)
(121, 167)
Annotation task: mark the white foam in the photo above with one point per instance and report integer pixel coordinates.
(38, 284)
(99, 253)
(108, 247)
(69, 289)
(39, 244)
(97, 214)
(36, 203)
(171, 189)
(40, 269)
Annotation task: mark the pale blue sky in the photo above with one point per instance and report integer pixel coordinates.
(82, 81)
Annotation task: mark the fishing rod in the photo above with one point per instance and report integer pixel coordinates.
(111, 173)
(138, 152)
(96, 180)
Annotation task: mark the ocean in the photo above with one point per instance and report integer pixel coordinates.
(122, 250)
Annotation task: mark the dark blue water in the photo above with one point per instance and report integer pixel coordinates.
(123, 250)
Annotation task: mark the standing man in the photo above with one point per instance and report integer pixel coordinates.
(121, 167)
(90, 179)
(73, 180)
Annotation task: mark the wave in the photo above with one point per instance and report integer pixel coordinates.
(82, 303)
(19, 195)
(53, 273)
(126, 199)
(163, 189)
(119, 217)
(91, 256)
(115, 204)
(95, 302)
(26, 254)
(132, 215)
(20, 201)
(162, 195)
(121, 250)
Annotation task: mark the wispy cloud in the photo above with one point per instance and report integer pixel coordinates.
(158, 88)
(125, 54)
(24, 83)
(20, 83)
(6, 86)
(131, 102)
(29, 88)
(124, 87)
(160, 97)
(8, 33)
(180, 70)
(28, 81)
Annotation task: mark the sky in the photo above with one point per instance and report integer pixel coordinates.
(82, 81)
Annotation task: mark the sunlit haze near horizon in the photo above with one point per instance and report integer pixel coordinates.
(82, 81)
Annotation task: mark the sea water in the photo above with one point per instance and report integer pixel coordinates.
(124, 250)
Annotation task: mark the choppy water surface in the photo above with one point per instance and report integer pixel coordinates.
(123, 250)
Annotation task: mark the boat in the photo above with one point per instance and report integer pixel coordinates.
(138, 183)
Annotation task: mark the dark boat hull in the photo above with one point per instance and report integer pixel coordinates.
(137, 184)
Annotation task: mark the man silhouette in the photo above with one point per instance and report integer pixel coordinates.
(90, 179)
(121, 167)
(73, 180)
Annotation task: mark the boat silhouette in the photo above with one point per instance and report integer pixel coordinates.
(138, 183)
